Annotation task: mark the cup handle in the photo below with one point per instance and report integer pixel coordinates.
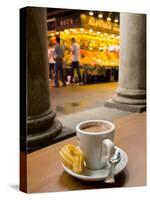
(108, 149)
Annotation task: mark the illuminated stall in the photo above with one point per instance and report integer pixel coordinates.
(99, 44)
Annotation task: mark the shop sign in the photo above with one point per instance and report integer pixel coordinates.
(81, 21)
(98, 24)
(68, 22)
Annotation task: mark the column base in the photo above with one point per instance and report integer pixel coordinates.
(125, 107)
(130, 96)
(42, 139)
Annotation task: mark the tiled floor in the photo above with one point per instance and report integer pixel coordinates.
(75, 103)
(77, 98)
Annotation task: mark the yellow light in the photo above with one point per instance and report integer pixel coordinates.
(90, 30)
(116, 20)
(112, 36)
(98, 33)
(57, 33)
(74, 30)
(91, 13)
(66, 31)
(52, 34)
(100, 16)
(81, 29)
(108, 19)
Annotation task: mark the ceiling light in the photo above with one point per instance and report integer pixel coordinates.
(108, 19)
(91, 13)
(116, 20)
(100, 15)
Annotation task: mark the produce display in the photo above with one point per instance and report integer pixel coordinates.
(96, 49)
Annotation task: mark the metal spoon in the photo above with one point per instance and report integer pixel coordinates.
(113, 161)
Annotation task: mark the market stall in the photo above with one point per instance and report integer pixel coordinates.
(99, 45)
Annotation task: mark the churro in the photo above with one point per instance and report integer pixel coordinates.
(72, 157)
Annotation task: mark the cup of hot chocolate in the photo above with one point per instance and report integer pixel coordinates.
(96, 141)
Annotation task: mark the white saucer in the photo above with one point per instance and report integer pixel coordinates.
(101, 174)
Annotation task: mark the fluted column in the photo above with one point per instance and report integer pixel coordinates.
(41, 123)
(131, 91)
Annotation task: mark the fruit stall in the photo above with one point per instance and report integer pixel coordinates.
(99, 46)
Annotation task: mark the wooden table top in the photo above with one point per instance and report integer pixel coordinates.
(45, 173)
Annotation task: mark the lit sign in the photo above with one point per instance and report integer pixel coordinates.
(72, 21)
(98, 24)
(84, 21)
(66, 22)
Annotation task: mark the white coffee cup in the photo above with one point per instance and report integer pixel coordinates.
(96, 143)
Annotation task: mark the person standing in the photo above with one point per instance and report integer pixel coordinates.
(75, 50)
(58, 67)
(51, 60)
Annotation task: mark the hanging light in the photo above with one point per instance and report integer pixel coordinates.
(116, 20)
(91, 13)
(109, 17)
(100, 15)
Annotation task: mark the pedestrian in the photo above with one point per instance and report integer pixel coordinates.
(58, 67)
(75, 50)
(51, 60)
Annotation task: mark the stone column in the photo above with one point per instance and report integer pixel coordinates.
(41, 123)
(131, 92)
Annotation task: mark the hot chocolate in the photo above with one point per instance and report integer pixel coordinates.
(95, 128)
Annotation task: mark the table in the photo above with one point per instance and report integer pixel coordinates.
(45, 173)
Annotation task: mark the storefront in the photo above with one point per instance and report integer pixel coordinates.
(99, 44)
